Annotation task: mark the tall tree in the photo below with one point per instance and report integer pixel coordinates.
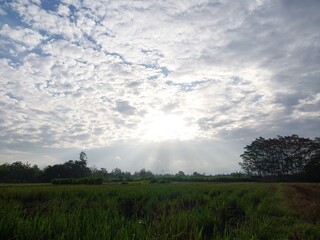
(279, 156)
(83, 157)
(69, 169)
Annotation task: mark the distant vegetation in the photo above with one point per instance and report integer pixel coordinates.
(77, 172)
(289, 158)
(86, 181)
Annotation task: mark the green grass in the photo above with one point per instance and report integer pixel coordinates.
(152, 211)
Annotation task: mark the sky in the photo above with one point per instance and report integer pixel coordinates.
(162, 85)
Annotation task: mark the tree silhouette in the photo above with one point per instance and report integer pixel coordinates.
(19, 172)
(69, 169)
(83, 157)
(312, 170)
(280, 156)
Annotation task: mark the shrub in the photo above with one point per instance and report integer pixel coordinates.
(86, 181)
(160, 180)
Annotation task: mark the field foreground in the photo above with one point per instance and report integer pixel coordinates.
(161, 211)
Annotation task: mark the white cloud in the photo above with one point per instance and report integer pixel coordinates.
(27, 37)
(88, 73)
(63, 10)
(64, 49)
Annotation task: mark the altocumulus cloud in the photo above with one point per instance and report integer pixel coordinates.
(85, 74)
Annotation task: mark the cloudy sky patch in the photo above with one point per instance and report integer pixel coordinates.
(98, 76)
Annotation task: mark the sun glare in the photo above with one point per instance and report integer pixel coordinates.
(166, 127)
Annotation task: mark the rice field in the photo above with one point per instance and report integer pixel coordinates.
(161, 211)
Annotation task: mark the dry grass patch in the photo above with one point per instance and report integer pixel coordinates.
(304, 200)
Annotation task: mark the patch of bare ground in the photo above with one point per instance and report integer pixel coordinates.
(304, 200)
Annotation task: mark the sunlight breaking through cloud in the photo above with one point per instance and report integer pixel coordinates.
(95, 73)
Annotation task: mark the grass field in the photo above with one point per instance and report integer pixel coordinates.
(161, 211)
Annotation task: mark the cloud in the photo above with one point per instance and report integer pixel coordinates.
(3, 12)
(25, 36)
(86, 74)
(64, 49)
(124, 108)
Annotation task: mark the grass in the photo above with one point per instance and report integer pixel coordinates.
(160, 211)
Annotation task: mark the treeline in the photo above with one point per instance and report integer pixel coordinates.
(288, 157)
(77, 172)
(19, 172)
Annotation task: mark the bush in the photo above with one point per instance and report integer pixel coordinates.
(86, 181)
(161, 180)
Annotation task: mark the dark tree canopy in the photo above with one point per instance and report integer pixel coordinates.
(280, 156)
(312, 170)
(19, 172)
(69, 169)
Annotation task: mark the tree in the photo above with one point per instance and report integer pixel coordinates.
(5, 172)
(237, 174)
(143, 173)
(83, 158)
(19, 172)
(101, 173)
(69, 169)
(312, 170)
(116, 173)
(196, 174)
(180, 174)
(280, 156)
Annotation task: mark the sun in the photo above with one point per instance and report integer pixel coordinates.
(163, 127)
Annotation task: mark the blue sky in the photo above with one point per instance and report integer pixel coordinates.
(162, 85)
